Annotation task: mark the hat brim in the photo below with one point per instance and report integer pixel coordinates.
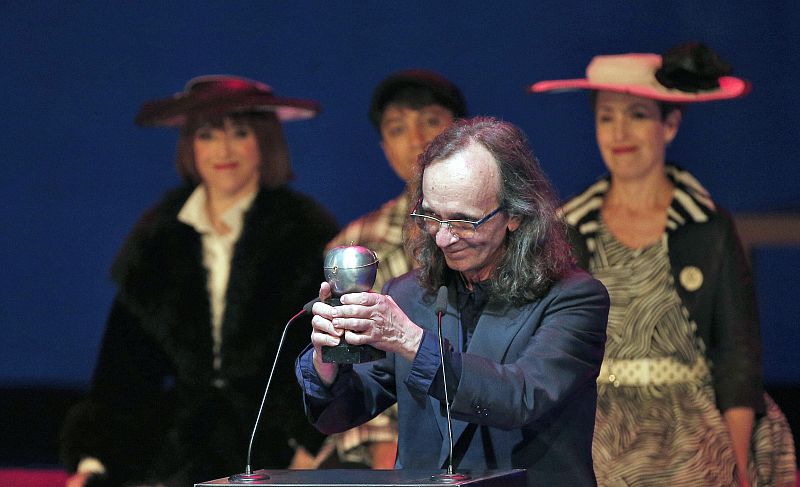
(729, 87)
(172, 112)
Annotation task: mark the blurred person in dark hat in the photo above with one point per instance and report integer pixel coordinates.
(205, 283)
(680, 395)
(408, 109)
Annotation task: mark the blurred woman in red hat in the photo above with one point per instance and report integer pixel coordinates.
(206, 281)
(680, 395)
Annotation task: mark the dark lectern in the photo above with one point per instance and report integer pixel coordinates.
(374, 478)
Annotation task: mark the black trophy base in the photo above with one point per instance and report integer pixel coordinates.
(344, 353)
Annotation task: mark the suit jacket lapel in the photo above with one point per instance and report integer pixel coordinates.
(496, 327)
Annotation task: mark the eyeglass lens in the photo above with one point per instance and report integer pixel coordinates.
(456, 228)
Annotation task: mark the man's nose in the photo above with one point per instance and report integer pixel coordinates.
(443, 236)
(418, 137)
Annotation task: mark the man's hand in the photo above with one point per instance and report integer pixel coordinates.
(375, 319)
(323, 334)
(362, 319)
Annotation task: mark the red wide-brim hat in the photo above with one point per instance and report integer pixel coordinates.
(635, 74)
(221, 94)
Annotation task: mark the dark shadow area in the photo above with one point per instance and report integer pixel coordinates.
(788, 398)
(32, 418)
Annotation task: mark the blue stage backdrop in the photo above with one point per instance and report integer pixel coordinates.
(79, 173)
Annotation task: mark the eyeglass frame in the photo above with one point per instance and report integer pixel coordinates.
(447, 223)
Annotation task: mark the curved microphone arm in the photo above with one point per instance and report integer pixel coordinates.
(248, 475)
(446, 400)
(450, 476)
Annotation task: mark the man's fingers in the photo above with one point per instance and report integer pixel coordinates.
(322, 325)
(353, 324)
(356, 338)
(322, 309)
(323, 340)
(362, 299)
(324, 291)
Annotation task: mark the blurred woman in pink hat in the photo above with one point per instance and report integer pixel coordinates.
(206, 281)
(680, 395)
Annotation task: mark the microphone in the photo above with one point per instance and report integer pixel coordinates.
(307, 307)
(449, 477)
(249, 475)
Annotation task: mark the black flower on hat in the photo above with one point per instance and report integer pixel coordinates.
(691, 67)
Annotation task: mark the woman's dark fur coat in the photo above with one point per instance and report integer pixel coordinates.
(157, 408)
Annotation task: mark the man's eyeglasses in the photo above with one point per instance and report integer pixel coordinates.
(457, 228)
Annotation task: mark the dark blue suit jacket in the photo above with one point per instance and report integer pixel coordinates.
(527, 384)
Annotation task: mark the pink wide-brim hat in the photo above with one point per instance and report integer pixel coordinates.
(219, 95)
(634, 74)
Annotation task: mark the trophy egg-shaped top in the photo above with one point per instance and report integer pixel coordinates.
(350, 269)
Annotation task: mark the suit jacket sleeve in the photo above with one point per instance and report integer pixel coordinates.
(359, 393)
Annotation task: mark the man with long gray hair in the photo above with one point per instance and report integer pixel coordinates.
(523, 330)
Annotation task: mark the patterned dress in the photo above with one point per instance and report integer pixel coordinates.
(657, 419)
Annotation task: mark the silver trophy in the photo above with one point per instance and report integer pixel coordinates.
(350, 269)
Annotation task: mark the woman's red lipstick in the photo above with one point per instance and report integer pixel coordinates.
(624, 149)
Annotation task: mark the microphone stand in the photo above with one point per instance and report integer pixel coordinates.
(248, 475)
(450, 476)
